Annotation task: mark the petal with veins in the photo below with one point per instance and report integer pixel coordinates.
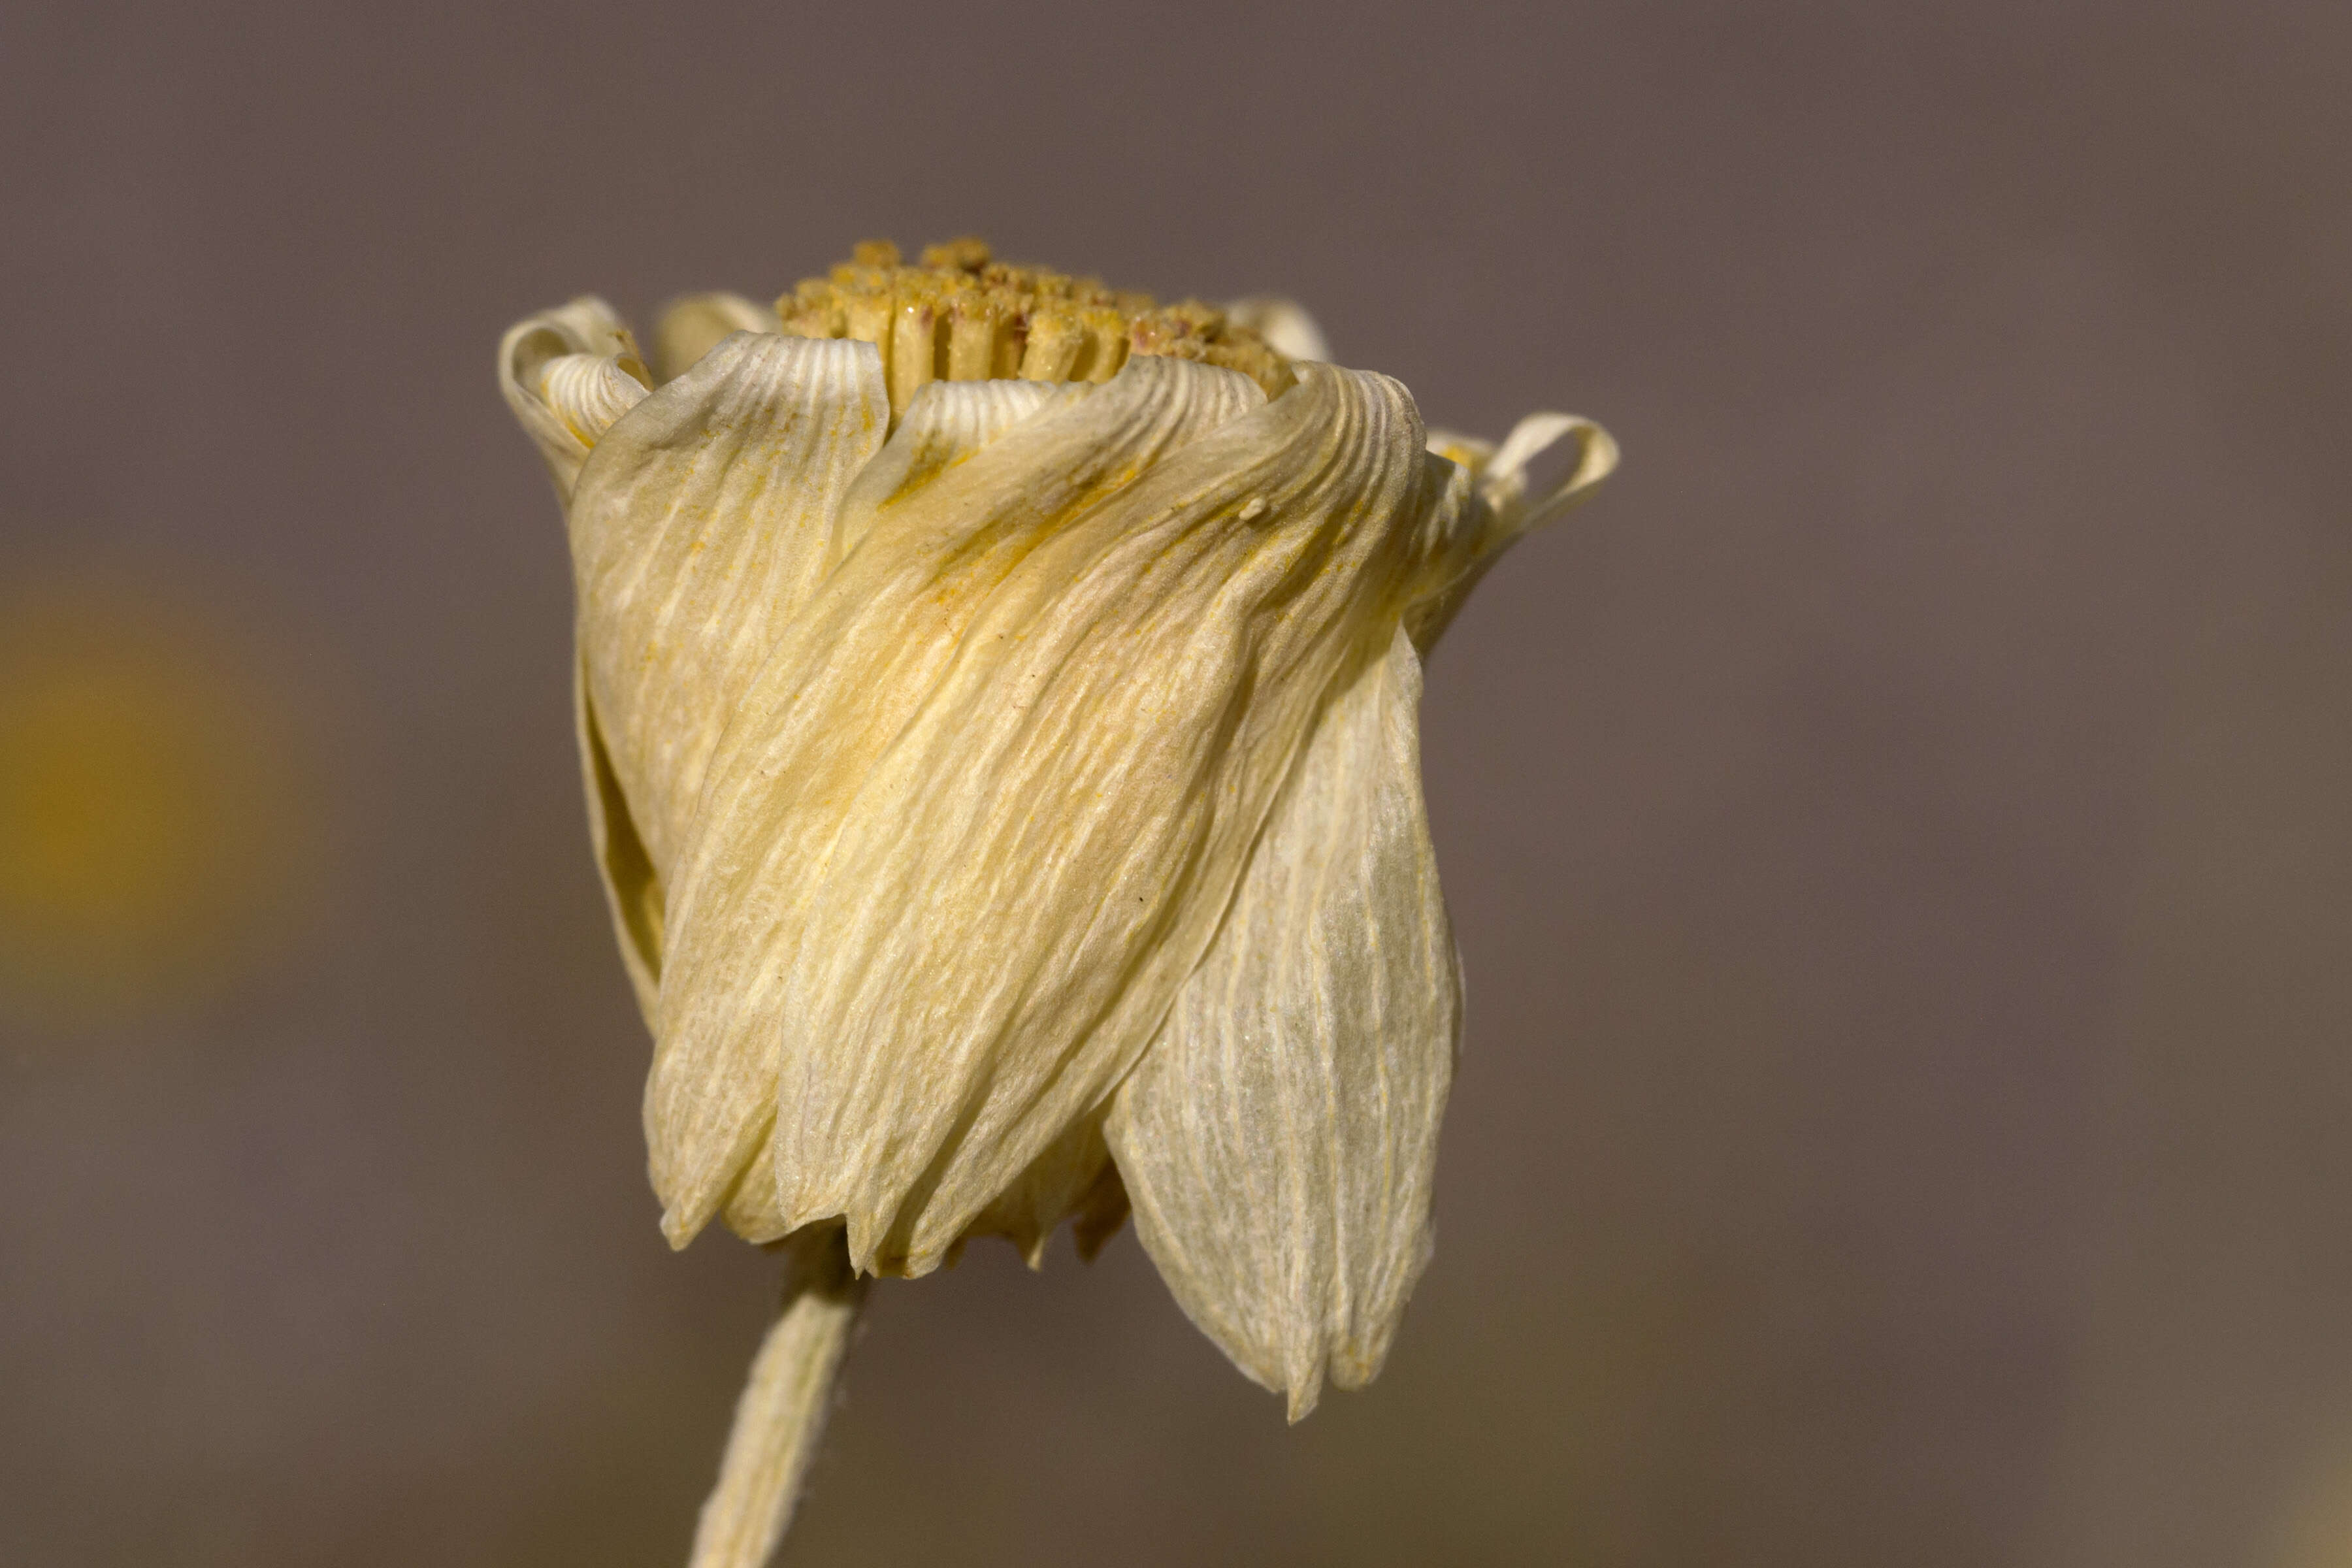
(1280, 1137)
(933, 544)
(589, 392)
(699, 525)
(1488, 499)
(691, 327)
(633, 893)
(586, 326)
(1028, 872)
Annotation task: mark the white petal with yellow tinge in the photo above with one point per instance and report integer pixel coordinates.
(997, 705)
(1279, 1140)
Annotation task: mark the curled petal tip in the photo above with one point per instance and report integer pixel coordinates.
(589, 392)
(1503, 480)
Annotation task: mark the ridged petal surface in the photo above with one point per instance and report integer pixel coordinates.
(1279, 1139)
(979, 868)
(939, 523)
(701, 523)
(586, 326)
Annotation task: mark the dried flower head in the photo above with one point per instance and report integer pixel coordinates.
(998, 699)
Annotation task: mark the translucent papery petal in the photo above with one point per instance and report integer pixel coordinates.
(701, 523)
(691, 327)
(589, 392)
(1036, 864)
(947, 422)
(937, 537)
(586, 326)
(1492, 508)
(1284, 325)
(1279, 1139)
(1460, 514)
(1504, 478)
(1073, 1178)
(1040, 857)
(632, 892)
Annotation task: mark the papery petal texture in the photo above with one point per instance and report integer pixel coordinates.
(978, 915)
(976, 476)
(632, 892)
(998, 714)
(701, 525)
(691, 327)
(586, 326)
(1279, 1140)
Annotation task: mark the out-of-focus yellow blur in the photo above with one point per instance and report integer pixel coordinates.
(156, 838)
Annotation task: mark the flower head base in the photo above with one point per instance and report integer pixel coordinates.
(998, 699)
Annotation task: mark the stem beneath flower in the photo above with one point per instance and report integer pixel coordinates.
(783, 1406)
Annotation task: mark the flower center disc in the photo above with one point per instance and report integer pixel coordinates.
(963, 315)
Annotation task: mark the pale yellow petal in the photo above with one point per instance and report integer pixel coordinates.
(1040, 858)
(1504, 479)
(1073, 1179)
(586, 326)
(1284, 325)
(1279, 1139)
(699, 525)
(1041, 855)
(1494, 509)
(946, 421)
(633, 893)
(691, 327)
(935, 538)
(588, 393)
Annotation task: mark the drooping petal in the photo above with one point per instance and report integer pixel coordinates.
(1041, 855)
(1073, 1180)
(1038, 861)
(691, 327)
(586, 326)
(1279, 1139)
(940, 522)
(699, 525)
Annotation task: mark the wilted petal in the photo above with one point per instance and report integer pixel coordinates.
(700, 526)
(1284, 325)
(1040, 857)
(1504, 478)
(691, 327)
(589, 392)
(632, 892)
(1493, 510)
(586, 326)
(1279, 1138)
(940, 528)
(1073, 1179)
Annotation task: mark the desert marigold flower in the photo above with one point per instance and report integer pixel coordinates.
(998, 699)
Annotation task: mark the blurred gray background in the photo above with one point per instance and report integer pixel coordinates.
(1897, 833)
